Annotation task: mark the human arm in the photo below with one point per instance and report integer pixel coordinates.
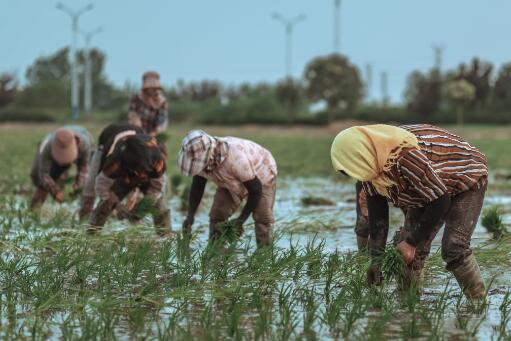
(378, 210)
(194, 199)
(255, 191)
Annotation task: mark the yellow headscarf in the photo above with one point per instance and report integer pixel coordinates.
(366, 152)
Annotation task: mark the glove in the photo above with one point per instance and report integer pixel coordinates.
(374, 274)
(187, 226)
(406, 250)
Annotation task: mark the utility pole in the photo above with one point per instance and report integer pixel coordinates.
(337, 26)
(288, 25)
(385, 88)
(88, 69)
(369, 79)
(75, 15)
(438, 51)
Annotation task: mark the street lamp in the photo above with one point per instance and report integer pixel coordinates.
(288, 25)
(75, 15)
(88, 68)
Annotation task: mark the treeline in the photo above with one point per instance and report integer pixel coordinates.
(331, 88)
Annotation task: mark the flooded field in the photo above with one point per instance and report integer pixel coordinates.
(126, 283)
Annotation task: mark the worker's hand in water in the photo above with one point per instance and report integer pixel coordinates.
(187, 225)
(238, 226)
(406, 250)
(374, 274)
(59, 197)
(122, 211)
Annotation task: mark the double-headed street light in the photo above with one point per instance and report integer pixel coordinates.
(75, 15)
(87, 97)
(288, 25)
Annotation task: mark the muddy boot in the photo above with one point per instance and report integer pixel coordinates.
(100, 215)
(469, 278)
(86, 206)
(161, 219)
(362, 243)
(38, 198)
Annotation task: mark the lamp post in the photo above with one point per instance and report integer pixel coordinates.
(288, 25)
(75, 15)
(88, 69)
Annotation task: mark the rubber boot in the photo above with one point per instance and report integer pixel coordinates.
(469, 278)
(362, 243)
(38, 198)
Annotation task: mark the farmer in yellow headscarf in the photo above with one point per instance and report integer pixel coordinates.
(436, 176)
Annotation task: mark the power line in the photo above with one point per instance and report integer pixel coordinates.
(289, 25)
(75, 15)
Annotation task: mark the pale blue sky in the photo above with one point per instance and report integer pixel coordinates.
(237, 40)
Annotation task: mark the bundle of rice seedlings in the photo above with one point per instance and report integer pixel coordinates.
(316, 201)
(229, 231)
(162, 138)
(492, 221)
(393, 264)
(145, 207)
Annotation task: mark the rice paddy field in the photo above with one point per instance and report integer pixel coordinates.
(126, 283)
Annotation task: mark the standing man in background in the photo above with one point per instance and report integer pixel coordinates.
(148, 108)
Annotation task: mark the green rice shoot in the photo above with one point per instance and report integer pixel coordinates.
(145, 207)
(492, 222)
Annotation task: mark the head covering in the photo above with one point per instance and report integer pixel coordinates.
(151, 80)
(366, 152)
(64, 149)
(200, 151)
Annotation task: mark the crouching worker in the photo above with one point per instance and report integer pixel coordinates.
(55, 154)
(240, 169)
(108, 139)
(130, 161)
(436, 176)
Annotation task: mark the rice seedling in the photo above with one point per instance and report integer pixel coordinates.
(393, 266)
(492, 221)
(176, 180)
(145, 207)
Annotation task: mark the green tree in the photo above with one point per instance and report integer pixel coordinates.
(423, 93)
(334, 80)
(8, 89)
(502, 89)
(290, 93)
(460, 93)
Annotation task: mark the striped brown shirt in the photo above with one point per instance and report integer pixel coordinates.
(445, 163)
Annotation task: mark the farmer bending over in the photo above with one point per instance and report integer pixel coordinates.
(55, 155)
(108, 139)
(240, 169)
(436, 176)
(130, 161)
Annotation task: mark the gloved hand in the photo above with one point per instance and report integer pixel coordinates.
(374, 274)
(187, 225)
(406, 250)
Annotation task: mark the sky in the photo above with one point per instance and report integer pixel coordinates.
(235, 41)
